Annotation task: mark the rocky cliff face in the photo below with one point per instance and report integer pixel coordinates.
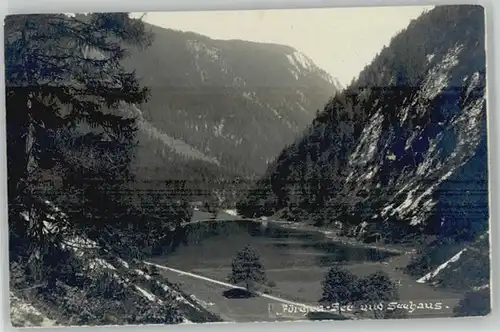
(230, 103)
(401, 151)
(427, 162)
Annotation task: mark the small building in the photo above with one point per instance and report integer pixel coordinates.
(196, 204)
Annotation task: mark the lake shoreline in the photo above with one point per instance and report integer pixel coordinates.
(331, 234)
(288, 263)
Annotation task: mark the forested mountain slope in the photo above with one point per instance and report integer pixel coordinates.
(403, 150)
(233, 104)
(70, 149)
(217, 110)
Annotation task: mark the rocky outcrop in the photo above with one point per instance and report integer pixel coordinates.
(402, 151)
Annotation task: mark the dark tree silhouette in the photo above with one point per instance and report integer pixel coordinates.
(63, 72)
(247, 269)
(374, 289)
(377, 287)
(339, 287)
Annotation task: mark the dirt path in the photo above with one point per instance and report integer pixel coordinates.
(252, 309)
(224, 284)
(302, 284)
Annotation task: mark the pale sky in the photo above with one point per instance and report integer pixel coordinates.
(339, 40)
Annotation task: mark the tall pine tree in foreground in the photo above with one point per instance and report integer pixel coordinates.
(61, 73)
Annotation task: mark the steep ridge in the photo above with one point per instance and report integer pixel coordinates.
(236, 103)
(94, 286)
(402, 151)
(471, 258)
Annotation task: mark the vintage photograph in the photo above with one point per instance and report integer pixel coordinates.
(247, 166)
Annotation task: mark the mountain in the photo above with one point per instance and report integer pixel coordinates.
(219, 110)
(226, 103)
(400, 152)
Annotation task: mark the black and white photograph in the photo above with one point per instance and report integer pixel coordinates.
(239, 166)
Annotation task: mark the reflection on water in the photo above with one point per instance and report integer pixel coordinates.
(215, 243)
(328, 252)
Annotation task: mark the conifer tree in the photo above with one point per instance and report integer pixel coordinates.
(247, 268)
(377, 288)
(339, 288)
(62, 72)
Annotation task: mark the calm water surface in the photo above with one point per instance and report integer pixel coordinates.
(215, 246)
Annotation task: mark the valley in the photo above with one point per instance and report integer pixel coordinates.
(167, 177)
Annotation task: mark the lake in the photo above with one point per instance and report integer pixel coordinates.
(278, 247)
(295, 260)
